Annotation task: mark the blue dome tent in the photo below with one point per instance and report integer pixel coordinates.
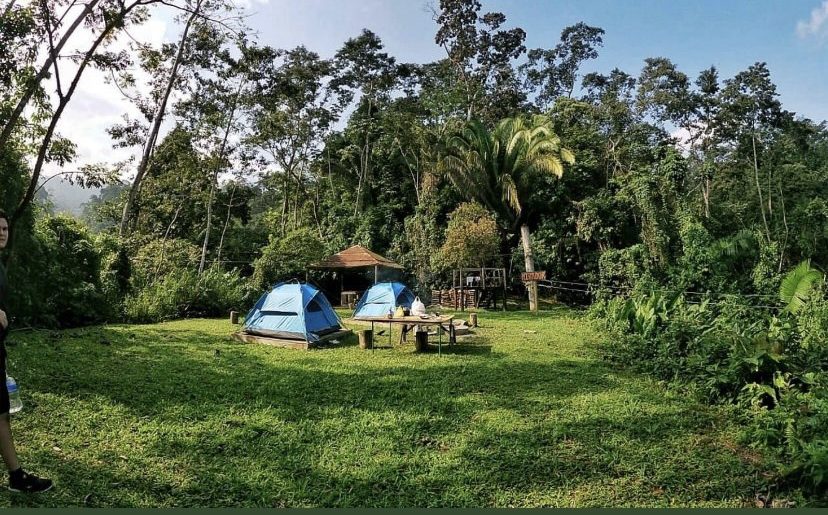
(381, 298)
(292, 315)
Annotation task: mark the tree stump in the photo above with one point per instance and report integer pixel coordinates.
(473, 319)
(234, 317)
(366, 339)
(421, 341)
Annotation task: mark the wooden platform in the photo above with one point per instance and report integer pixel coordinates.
(287, 342)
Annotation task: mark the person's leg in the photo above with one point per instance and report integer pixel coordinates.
(19, 480)
(7, 443)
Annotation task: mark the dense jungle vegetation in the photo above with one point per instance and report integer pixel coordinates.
(690, 213)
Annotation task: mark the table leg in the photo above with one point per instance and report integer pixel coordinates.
(439, 340)
(372, 337)
(452, 335)
(390, 343)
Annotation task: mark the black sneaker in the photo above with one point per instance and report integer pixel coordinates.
(29, 483)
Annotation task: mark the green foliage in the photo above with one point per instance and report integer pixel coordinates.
(798, 285)
(174, 195)
(160, 258)
(115, 273)
(645, 314)
(415, 247)
(765, 274)
(796, 429)
(472, 238)
(773, 367)
(58, 282)
(182, 293)
(287, 258)
(812, 322)
(626, 268)
(500, 169)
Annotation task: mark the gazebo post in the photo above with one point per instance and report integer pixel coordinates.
(376, 273)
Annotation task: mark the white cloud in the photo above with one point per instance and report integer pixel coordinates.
(817, 25)
(249, 4)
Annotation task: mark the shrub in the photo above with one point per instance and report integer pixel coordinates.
(625, 268)
(796, 430)
(774, 366)
(287, 258)
(159, 258)
(183, 293)
(472, 239)
(54, 275)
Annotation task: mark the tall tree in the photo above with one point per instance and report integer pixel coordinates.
(750, 111)
(61, 150)
(552, 73)
(212, 112)
(292, 108)
(500, 169)
(170, 68)
(369, 74)
(481, 55)
(23, 32)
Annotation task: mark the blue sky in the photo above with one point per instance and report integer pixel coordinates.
(730, 34)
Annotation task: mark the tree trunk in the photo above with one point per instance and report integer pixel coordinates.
(706, 196)
(358, 191)
(285, 205)
(226, 223)
(214, 183)
(529, 261)
(787, 231)
(164, 242)
(8, 8)
(759, 188)
(315, 205)
(206, 242)
(155, 127)
(44, 71)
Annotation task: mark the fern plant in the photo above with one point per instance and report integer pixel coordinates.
(798, 286)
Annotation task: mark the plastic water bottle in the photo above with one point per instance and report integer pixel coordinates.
(15, 404)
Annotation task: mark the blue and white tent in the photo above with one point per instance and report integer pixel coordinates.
(292, 311)
(381, 298)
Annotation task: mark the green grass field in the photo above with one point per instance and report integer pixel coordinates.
(178, 414)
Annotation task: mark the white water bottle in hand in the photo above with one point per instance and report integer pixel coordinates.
(15, 403)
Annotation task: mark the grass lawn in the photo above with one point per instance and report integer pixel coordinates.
(177, 414)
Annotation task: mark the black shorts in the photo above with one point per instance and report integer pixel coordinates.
(4, 392)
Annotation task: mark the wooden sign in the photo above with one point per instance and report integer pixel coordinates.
(533, 276)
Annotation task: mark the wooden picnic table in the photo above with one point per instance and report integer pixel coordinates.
(443, 322)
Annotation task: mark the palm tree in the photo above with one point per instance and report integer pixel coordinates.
(500, 169)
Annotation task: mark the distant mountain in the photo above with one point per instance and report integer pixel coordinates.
(67, 198)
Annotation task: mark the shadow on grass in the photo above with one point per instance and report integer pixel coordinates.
(197, 373)
(550, 464)
(345, 427)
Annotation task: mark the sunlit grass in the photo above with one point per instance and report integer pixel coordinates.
(523, 413)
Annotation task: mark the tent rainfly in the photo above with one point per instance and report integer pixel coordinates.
(382, 298)
(356, 257)
(291, 315)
